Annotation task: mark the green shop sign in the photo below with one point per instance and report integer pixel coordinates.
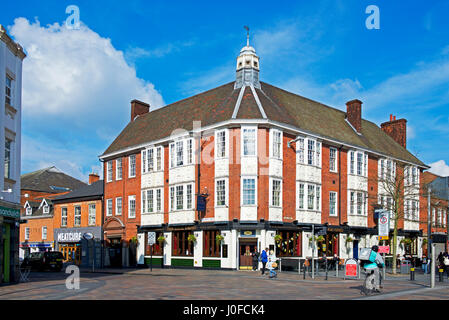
(8, 212)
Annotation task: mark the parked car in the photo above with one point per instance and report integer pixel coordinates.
(44, 260)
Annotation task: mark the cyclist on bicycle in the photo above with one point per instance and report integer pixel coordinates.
(375, 262)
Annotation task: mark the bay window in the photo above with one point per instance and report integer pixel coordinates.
(276, 193)
(300, 150)
(249, 141)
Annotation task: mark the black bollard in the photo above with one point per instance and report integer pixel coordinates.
(326, 267)
(412, 274)
(441, 274)
(304, 275)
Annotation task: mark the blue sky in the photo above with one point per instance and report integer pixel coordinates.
(78, 83)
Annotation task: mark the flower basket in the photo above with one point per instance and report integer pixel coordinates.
(406, 241)
(320, 239)
(161, 240)
(424, 242)
(219, 239)
(191, 238)
(349, 240)
(278, 238)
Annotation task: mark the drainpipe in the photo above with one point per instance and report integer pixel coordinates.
(339, 196)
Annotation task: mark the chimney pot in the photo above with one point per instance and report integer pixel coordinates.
(391, 117)
(354, 114)
(138, 108)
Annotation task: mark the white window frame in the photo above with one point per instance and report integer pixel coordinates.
(117, 171)
(27, 233)
(109, 207)
(143, 155)
(300, 151)
(91, 215)
(189, 203)
(44, 234)
(179, 197)
(247, 128)
(241, 191)
(221, 151)
(335, 203)
(46, 209)
(75, 216)
(271, 198)
(131, 199)
(335, 162)
(109, 171)
(28, 211)
(10, 87)
(179, 152)
(172, 198)
(117, 211)
(304, 185)
(189, 147)
(159, 200)
(159, 158)
(64, 217)
(225, 191)
(131, 172)
(172, 155)
(274, 145)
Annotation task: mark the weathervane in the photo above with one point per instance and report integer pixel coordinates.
(247, 35)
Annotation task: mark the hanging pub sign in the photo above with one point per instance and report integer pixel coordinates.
(201, 203)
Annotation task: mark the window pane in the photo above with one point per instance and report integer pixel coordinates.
(311, 152)
(249, 191)
(300, 150)
(221, 193)
(301, 196)
(276, 193)
(179, 153)
(179, 197)
(310, 196)
(249, 142)
(189, 196)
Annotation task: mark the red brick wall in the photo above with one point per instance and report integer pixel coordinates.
(124, 188)
(207, 179)
(343, 169)
(372, 189)
(397, 129)
(289, 179)
(234, 173)
(329, 182)
(263, 181)
(71, 213)
(35, 226)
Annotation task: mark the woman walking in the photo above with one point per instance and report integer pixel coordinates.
(272, 264)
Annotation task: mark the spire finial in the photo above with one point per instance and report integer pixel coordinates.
(247, 35)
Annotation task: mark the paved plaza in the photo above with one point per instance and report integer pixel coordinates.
(174, 284)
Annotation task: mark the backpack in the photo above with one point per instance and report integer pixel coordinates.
(365, 254)
(446, 261)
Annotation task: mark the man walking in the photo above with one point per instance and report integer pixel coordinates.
(255, 256)
(264, 259)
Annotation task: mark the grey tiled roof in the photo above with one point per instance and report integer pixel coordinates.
(49, 180)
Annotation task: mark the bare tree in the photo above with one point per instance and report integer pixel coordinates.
(399, 193)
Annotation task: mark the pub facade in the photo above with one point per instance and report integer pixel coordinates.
(247, 166)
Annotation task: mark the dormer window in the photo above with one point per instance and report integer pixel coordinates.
(29, 211)
(46, 208)
(255, 64)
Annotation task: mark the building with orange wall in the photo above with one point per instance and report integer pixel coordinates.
(38, 188)
(78, 218)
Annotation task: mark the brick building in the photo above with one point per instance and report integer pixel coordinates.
(78, 213)
(250, 162)
(38, 188)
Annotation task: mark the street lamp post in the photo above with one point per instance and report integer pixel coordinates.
(429, 228)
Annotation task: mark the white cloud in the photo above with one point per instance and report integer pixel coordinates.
(135, 53)
(439, 168)
(77, 90)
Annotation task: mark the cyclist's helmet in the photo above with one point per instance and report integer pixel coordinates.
(375, 248)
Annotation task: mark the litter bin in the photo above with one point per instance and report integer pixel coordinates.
(405, 266)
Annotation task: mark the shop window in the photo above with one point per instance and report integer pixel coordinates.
(180, 244)
(329, 245)
(210, 246)
(289, 245)
(157, 247)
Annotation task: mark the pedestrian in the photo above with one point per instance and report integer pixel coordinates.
(264, 259)
(272, 264)
(440, 260)
(446, 264)
(255, 256)
(335, 261)
(424, 264)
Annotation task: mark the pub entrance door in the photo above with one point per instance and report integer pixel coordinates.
(115, 252)
(246, 247)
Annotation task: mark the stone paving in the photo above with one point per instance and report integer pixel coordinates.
(210, 285)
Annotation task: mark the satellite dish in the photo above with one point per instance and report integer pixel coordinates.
(88, 236)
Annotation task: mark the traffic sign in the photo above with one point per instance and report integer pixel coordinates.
(384, 222)
(383, 237)
(151, 238)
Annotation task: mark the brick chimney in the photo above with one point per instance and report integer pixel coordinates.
(397, 129)
(93, 177)
(354, 114)
(138, 108)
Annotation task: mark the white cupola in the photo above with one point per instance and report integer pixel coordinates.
(247, 70)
